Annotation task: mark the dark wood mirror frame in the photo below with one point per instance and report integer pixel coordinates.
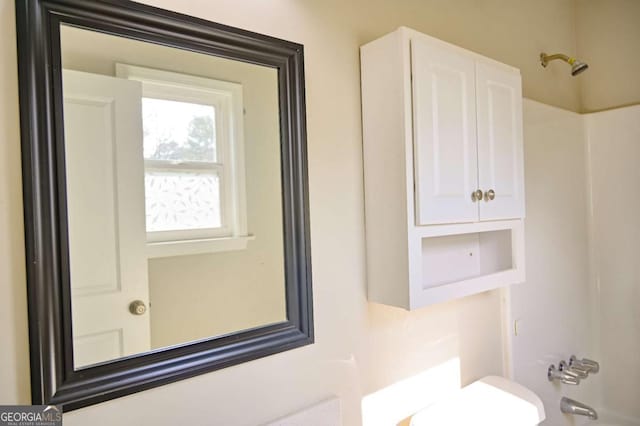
(53, 377)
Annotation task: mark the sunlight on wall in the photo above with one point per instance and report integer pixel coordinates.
(392, 404)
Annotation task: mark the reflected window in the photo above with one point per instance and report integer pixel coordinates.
(182, 176)
(193, 158)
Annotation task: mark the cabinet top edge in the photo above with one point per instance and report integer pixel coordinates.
(408, 34)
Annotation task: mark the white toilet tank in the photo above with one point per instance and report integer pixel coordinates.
(491, 401)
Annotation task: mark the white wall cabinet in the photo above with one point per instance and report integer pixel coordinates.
(443, 162)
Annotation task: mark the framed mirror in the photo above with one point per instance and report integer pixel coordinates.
(165, 194)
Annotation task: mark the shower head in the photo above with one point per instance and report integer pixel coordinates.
(577, 66)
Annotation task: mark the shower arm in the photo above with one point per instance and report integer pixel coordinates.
(545, 59)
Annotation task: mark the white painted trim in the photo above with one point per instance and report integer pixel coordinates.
(189, 247)
(464, 228)
(464, 288)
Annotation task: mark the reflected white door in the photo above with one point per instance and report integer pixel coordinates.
(500, 147)
(105, 202)
(444, 117)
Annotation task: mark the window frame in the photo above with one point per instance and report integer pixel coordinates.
(226, 98)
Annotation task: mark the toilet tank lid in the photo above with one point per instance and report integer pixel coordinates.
(492, 400)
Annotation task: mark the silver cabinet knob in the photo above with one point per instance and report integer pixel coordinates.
(476, 195)
(137, 307)
(489, 195)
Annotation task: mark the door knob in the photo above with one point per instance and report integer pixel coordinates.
(489, 195)
(476, 195)
(137, 307)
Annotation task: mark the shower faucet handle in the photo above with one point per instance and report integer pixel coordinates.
(585, 364)
(564, 376)
(573, 370)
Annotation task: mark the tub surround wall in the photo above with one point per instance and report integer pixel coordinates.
(614, 149)
(582, 270)
(552, 309)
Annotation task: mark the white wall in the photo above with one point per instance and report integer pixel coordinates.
(614, 149)
(553, 307)
(360, 347)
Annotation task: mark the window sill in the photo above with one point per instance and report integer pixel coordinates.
(189, 247)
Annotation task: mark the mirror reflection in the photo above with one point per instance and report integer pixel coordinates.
(173, 195)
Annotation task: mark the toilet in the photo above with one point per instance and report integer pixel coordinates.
(491, 401)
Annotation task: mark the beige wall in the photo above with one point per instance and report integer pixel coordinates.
(14, 349)
(194, 297)
(608, 35)
(359, 347)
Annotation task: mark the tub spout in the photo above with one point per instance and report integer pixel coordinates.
(569, 406)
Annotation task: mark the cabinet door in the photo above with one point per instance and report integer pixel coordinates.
(444, 134)
(500, 156)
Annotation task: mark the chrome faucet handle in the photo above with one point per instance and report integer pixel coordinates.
(593, 366)
(573, 370)
(584, 363)
(571, 381)
(565, 377)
